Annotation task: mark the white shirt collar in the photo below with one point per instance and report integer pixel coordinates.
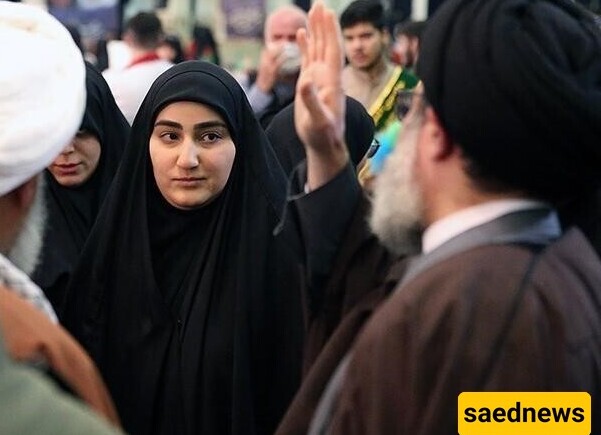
(459, 222)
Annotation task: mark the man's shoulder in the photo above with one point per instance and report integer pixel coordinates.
(497, 264)
(405, 77)
(480, 263)
(134, 73)
(492, 273)
(152, 65)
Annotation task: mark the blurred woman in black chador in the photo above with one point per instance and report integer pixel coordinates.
(77, 182)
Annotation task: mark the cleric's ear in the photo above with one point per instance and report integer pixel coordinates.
(441, 145)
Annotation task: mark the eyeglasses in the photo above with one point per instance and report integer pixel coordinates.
(373, 148)
(404, 101)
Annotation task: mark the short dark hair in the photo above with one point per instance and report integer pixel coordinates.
(363, 11)
(412, 29)
(175, 43)
(146, 29)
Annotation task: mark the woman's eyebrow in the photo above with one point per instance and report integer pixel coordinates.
(168, 124)
(200, 125)
(210, 124)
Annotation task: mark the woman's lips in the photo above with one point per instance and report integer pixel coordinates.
(67, 169)
(188, 181)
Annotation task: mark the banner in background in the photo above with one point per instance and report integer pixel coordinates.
(244, 18)
(94, 19)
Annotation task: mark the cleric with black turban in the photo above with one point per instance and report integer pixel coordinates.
(504, 128)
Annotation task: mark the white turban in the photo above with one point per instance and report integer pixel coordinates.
(42, 91)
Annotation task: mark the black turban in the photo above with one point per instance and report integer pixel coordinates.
(517, 84)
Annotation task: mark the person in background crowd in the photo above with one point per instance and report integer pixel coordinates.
(273, 86)
(76, 183)
(143, 34)
(370, 77)
(203, 46)
(171, 50)
(500, 299)
(405, 48)
(42, 99)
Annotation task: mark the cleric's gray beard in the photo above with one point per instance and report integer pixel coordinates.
(397, 204)
(25, 253)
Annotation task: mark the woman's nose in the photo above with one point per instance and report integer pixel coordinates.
(188, 157)
(69, 148)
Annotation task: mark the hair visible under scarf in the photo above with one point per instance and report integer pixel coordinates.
(194, 317)
(517, 84)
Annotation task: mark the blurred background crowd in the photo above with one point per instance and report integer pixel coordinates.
(227, 32)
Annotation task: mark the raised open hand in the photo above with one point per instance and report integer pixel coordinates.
(319, 105)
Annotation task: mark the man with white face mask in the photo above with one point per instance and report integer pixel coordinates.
(279, 65)
(42, 99)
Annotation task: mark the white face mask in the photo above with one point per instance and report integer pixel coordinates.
(291, 58)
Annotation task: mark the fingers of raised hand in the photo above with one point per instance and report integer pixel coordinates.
(323, 38)
(301, 39)
(316, 25)
(333, 53)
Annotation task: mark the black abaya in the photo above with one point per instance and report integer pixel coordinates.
(194, 317)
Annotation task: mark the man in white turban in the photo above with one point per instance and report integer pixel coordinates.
(42, 100)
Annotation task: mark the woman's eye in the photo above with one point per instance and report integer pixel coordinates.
(210, 137)
(169, 136)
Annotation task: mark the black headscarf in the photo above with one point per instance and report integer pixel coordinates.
(193, 317)
(516, 82)
(72, 210)
(288, 147)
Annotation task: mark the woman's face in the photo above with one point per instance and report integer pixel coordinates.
(78, 160)
(192, 154)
